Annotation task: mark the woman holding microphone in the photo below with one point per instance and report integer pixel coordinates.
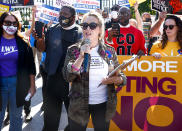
(87, 64)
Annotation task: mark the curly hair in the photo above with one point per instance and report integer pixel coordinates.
(178, 22)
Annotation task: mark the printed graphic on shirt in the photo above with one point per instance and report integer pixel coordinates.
(124, 43)
(8, 49)
(180, 51)
(96, 62)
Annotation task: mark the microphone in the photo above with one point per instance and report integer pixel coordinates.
(86, 56)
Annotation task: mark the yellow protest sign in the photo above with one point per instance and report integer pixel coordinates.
(4, 8)
(132, 2)
(152, 98)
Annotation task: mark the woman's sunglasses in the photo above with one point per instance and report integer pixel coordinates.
(170, 27)
(92, 25)
(9, 23)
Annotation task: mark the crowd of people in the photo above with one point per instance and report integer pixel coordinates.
(77, 58)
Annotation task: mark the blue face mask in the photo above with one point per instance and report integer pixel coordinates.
(65, 22)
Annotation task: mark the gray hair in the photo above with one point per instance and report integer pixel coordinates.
(100, 19)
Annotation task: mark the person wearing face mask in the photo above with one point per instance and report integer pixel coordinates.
(149, 39)
(114, 16)
(126, 39)
(144, 24)
(87, 65)
(17, 70)
(55, 43)
(147, 21)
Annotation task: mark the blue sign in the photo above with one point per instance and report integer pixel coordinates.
(124, 3)
(84, 6)
(49, 13)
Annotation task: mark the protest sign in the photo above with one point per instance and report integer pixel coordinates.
(59, 3)
(170, 6)
(129, 3)
(123, 3)
(4, 8)
(132, 2)
(151, 100)
(17, 14)
(18, 2)
(84, 6)
(49, 13)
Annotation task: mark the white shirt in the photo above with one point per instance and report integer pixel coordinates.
(98, 71)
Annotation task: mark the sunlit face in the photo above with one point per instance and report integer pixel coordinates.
(11, 19)
(91, 32)
(104, 14)
(124, 16)
(171, 31)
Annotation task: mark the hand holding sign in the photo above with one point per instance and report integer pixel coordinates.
(122, 67)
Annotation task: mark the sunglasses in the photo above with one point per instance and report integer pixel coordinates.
(92, 25)
(123, 14)
(170, 27)
(9, 23)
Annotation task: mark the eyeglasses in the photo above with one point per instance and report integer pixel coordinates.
(92, 25)
(9, 23)
(170, 27)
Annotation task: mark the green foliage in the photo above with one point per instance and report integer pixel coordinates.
(144, 7)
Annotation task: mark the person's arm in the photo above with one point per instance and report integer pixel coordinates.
(50, 23)
(77, 64)
(32, 89)
(39, 42)
(138, 17)
(109, 34)
(72, 63)
(32, 71)
(155, 51)
(118, 78)
(155, 28)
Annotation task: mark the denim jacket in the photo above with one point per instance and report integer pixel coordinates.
(79, 93)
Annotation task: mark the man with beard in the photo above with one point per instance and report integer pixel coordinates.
(57, 39)
(126, 39)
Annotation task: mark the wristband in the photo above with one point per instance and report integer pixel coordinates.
(75, 68)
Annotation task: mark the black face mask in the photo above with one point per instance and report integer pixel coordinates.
(65, 22)
(148, 20)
